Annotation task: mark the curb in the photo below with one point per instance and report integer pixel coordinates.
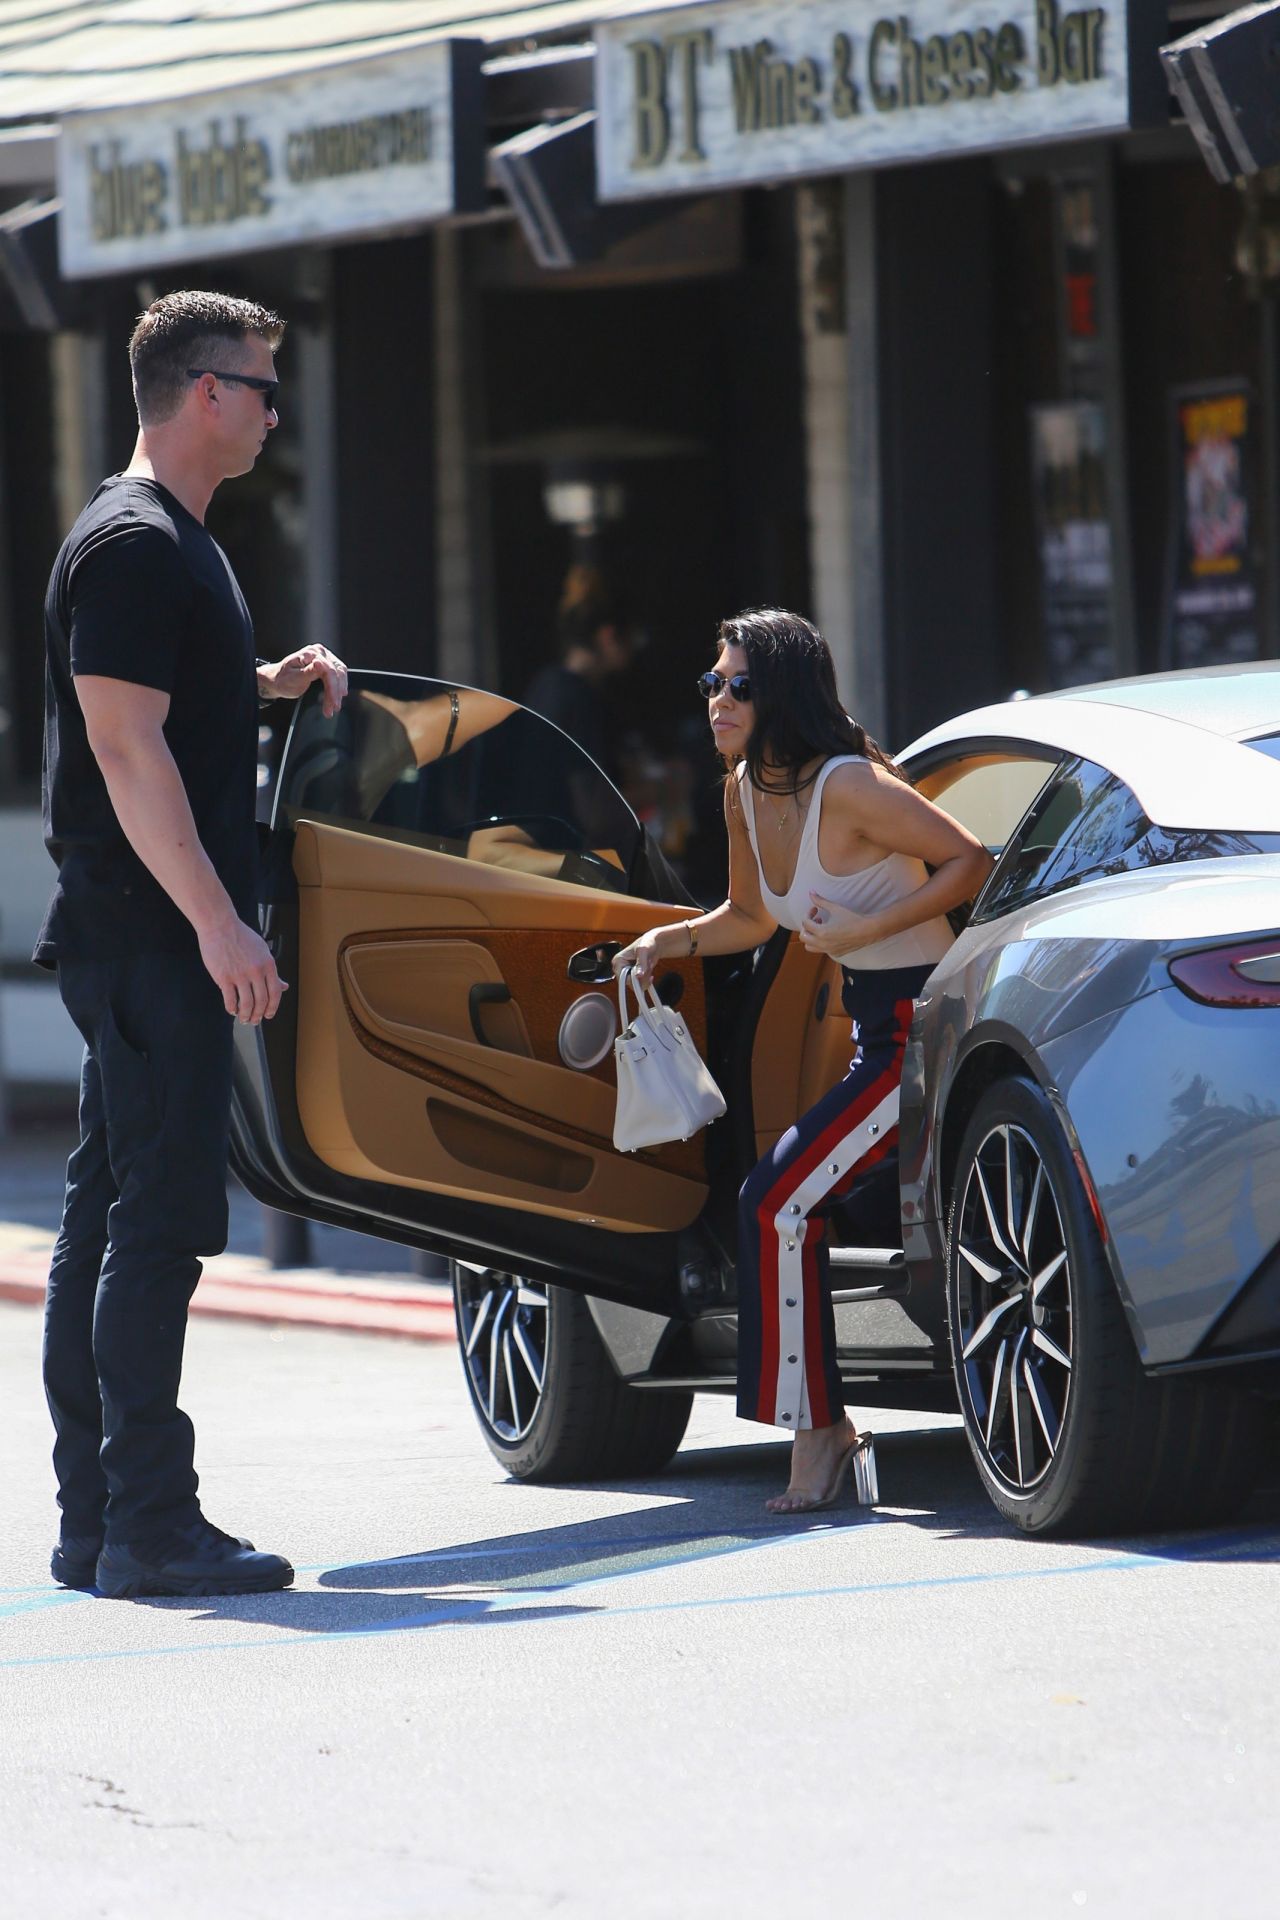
(238, 1287)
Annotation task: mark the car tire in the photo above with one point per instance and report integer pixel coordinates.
(1068, 1433)
(544, 1391)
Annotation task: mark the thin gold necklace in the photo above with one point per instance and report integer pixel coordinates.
(786, 813)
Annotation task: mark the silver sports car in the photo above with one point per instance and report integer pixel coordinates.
(1081, 1240)
(1091, 1140)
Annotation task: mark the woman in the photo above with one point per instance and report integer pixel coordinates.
(826, 837)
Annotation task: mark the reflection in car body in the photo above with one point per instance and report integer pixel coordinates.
(1083, 1242)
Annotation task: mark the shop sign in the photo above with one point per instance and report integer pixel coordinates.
(1213, 612)
(1073, 530)
(736, 91)
(369, 146)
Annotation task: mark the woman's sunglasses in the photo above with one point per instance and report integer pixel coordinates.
(710, 684)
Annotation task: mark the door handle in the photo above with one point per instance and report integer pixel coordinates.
(594, 964)
(487, 993)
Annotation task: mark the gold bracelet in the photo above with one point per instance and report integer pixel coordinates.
(693, 938)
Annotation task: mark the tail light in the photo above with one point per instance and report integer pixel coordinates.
(1236, 976)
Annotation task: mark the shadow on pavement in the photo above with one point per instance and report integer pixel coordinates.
(351, 1615)
(714, 1507)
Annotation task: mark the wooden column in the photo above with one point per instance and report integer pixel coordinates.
(467, 648)
(868, 686)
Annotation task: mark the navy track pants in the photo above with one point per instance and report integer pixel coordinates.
(837, 1153)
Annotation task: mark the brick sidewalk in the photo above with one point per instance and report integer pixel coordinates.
(239, 1286)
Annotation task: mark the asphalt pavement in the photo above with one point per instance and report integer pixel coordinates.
(637, 1700)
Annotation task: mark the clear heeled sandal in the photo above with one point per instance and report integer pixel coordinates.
(858, 1459)
(866, 1481)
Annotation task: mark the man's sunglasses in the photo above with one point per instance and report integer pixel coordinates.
(710, 684)
(267, 388)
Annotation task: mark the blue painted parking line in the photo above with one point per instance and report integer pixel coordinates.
(39, 1597)
(1246, 1546)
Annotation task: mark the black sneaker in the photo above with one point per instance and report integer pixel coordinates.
(74, 1561)
(194, 1560)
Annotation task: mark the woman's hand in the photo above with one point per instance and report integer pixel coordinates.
(833, 929)
(642, 954)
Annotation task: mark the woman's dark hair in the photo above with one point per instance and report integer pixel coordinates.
(799, 717)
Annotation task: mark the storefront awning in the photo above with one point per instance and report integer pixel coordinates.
(189, 130)
(59, 58)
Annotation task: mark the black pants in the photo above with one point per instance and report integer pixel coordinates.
(146, 1197)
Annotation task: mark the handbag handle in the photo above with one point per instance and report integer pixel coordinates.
(624, 1018)
(647, 1003)
(656, 1002)
(649, 993)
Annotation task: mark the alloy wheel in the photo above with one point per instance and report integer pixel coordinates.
(1014, 1318)
(502, 1331)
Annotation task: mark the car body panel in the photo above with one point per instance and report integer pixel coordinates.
(1075, 991)
(1185, 777)
(1234, 700)
(1183, 901)
(1184, 1154)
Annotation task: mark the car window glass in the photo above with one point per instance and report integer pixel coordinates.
(1087, 824)
(462, 772)
(986, 792)
(1268, 743)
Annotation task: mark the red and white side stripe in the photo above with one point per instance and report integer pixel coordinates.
(793, 1381)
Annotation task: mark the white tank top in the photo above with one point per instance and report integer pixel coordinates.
(868, 891)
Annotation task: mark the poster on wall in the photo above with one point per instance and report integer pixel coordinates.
(1213, 615)
(1074, 536)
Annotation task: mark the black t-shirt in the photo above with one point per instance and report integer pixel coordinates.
(141, 592)
(575, 706)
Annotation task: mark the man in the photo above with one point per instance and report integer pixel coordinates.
(593, 648)
(152, 694)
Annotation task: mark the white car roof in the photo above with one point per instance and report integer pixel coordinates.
(1184, 776)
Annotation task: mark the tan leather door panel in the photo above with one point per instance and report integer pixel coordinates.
(393, 1083)
(828, 1044)
(433, 1032)
(802, 1045)
(416, 992)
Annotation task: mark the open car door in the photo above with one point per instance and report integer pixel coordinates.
(443, 867)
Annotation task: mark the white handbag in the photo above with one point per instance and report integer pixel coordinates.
(664, 1089)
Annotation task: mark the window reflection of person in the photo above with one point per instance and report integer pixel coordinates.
(393, 736)
(441, 724)
(348, 771)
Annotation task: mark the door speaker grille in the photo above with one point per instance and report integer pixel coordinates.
(587, 1031)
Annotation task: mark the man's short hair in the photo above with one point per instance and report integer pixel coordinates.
(579, 625)
(189, 329)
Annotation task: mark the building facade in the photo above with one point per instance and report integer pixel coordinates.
(929, 324)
